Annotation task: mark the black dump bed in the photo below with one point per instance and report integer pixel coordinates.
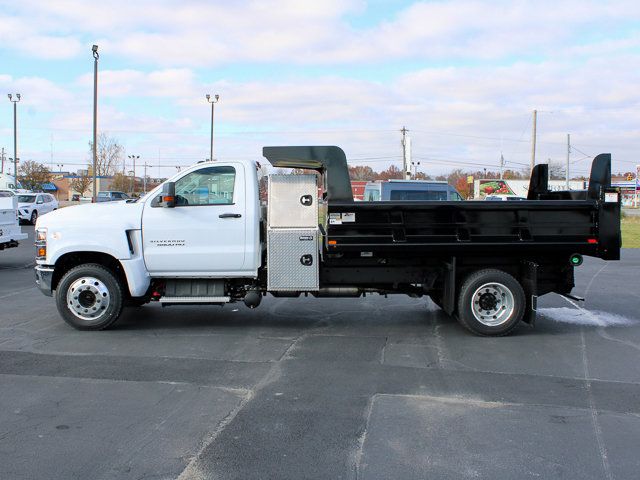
(547, 223)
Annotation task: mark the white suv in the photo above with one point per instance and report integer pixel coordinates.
(32, 205)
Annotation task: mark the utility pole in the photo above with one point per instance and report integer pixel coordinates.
(406, 153)
(501, 165)
(15, 134)
(2, 157)
(533, 139)
(568, 153)
(212, 102)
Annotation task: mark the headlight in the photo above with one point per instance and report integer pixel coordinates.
(41, 244)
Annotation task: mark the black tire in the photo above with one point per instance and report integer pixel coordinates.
(106, 288)
(136, 302)
(34, 217)
(498, 308)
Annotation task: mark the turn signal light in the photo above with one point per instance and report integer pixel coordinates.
(332, 242)
(168, 199)
(42, 252)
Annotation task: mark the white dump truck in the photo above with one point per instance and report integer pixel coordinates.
(203, 237)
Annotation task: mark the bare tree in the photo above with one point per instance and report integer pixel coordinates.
(110, 154)
(33, 175)
(80, 183)
(556, 170)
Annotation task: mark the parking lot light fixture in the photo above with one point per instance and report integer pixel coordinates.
(216, 97)
(96, 56)
(15, 132)
(133, 172)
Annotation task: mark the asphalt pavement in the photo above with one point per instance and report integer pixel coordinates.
(369, 388)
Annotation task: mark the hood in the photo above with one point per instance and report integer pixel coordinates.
(95, 216)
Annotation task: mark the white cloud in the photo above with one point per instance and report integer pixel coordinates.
(471, 72)
(205, 33)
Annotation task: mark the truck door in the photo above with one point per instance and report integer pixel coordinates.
(205, 233)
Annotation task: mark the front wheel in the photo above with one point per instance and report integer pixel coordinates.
(89, 297)
(34, 217)
(491, 303)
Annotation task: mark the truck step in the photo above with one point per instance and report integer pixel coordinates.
(195, 300)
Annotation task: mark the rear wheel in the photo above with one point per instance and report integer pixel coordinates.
(491, 303)
(89, 297)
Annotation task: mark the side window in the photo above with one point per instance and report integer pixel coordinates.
(207, 186)
(373, 195)
(39, 199)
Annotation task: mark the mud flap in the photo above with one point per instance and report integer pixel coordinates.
(449, 290)
(529, 282)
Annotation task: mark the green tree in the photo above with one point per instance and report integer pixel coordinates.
(121, 183)
(33, 175)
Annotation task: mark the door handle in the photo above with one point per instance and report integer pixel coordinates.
(229, 215)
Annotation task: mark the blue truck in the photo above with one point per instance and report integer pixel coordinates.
(408, 190)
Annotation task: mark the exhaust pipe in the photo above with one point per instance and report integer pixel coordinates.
(338, 292)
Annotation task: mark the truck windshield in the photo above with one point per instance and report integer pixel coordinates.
(26, 198)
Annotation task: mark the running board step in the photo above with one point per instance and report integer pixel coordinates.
(195, 300)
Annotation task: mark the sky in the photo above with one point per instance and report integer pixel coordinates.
(462, 76)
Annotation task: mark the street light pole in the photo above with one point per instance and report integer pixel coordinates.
(96, 56)
(212, 102)
(15, 134)
(59, 165)
(133, 158)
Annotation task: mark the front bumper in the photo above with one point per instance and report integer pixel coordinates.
(44, 276)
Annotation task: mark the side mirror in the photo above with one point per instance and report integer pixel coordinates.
(168, 195)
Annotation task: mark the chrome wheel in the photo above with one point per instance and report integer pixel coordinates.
(492, 304)
(88, 298)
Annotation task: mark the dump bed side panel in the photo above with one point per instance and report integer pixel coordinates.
(505, 228)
